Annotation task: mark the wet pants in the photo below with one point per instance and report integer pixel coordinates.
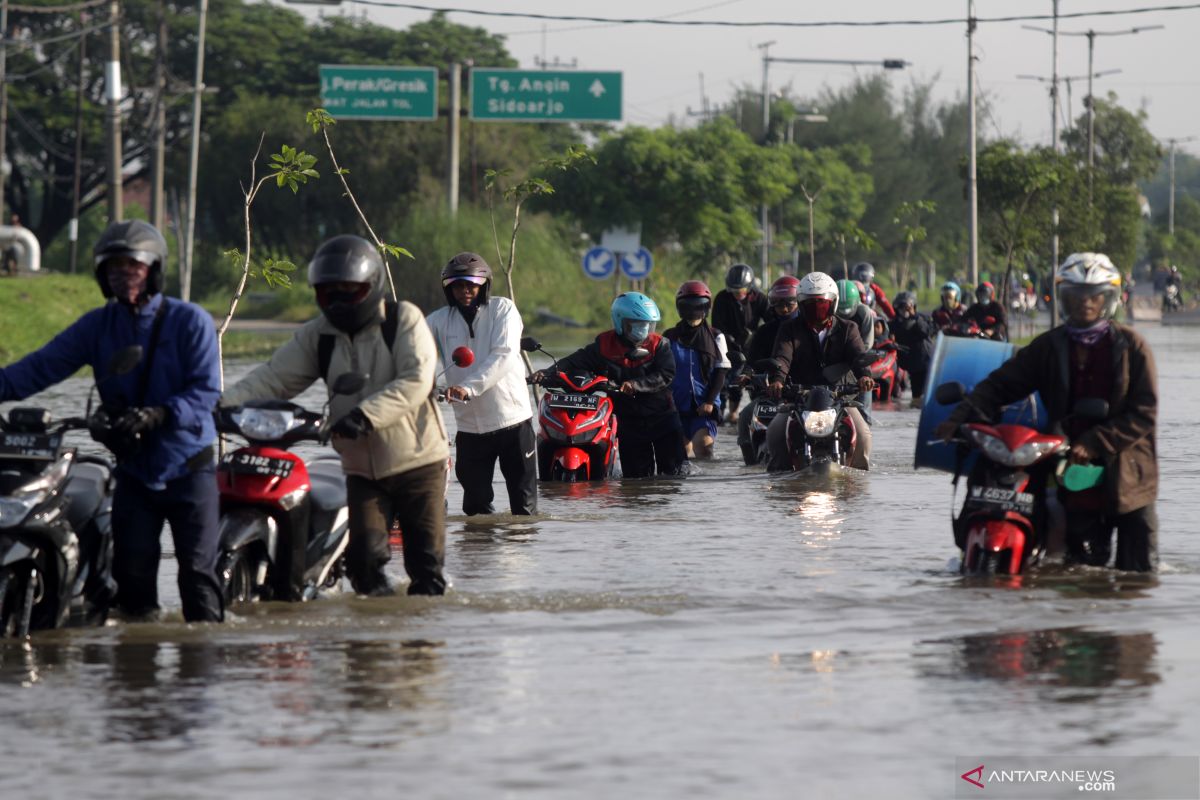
(417, 498)
(643, 452)
(190, 505)
(1089, 538)
(475, 463)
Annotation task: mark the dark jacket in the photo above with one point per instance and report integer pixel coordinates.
(800, 355)
(1125, 441)
(915, 336)
(980, 311)
(185, 377)
(651, 376)
(737, 319)
(762, 343)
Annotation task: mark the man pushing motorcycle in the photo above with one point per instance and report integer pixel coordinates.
(1090, 356)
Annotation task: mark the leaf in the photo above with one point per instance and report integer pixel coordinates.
(343, 171)
(281, 179)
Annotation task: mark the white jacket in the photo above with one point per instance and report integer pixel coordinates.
(495, 382)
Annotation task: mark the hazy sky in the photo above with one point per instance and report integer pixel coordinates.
(1160, 69)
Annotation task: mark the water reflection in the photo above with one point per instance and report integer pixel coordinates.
(1053, 657)
(388, 674)
(159, 690)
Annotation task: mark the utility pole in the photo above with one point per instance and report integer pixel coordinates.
(73, 226)
(157, 205)
(972, 185)
(3, 101)
(112, 83)
(1171, 170)
(1054, 144)
(766, 127)
(452, 125)
(185, 261)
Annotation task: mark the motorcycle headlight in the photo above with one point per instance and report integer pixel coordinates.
(15, 507)
(265, 424)
(993, 448)
(820, 423)
(1032, 452)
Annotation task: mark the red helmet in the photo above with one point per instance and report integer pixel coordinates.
(785, 288)
(693, 300)
(693, 289)
(985, 292)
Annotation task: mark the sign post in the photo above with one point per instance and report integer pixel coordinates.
(514, 95)
(378, 92)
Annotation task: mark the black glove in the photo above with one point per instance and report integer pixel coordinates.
(352, 426)
(140, 420)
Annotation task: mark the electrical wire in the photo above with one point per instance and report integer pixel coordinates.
(777, 23)
(56, 9)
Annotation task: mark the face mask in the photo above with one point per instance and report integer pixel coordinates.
(637, 332)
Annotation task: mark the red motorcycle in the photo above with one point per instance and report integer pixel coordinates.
(886, 371)
(577, 430)
(284, 522)
(1000, 528)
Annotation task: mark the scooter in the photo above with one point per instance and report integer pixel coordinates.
(284, 522)
(762, 410)
(55, 519)
(886, 371)
(1000, 528)
(577, 429)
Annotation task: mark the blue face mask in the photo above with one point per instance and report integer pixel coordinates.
(637, 332)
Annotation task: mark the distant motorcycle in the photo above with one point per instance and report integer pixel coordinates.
(1172, 300)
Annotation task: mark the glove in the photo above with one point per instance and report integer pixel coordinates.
(352, 426)
(140, 420)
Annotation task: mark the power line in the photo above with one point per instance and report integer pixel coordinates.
(776, 23)
(56, 9)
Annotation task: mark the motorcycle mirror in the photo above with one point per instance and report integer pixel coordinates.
(124, 360)
(638, 352)
(950, 393)
(463, 356)
(530, 344)
(349, 383)
(1092, 408)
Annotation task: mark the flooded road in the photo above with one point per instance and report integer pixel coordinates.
(731, 635)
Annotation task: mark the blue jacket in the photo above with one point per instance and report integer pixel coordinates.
(185, 377)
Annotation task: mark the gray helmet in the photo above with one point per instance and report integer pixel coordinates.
(740, 276)
(863, 271)
(348, 259)
(136, 239)
(467, 267)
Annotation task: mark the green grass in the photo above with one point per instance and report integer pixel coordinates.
(251, 344)
(35, 308)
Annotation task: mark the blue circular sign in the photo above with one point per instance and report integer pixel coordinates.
(637, 265)
(599, 263)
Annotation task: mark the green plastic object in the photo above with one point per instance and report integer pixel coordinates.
(1077, 477)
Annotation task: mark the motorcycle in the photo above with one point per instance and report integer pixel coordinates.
(577, 429)
(886, 371)
(1000, 529)
(56, 545)
(284, 522)
(819, 430)
(1171, 299)
(763, 409)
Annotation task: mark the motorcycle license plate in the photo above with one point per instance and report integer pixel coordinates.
(1001, 499)
(251, 464)
(583, 402)
(767, 410)
(42, 446)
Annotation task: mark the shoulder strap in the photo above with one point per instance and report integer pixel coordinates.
(391, 322)
(325, 344)
(148, 365)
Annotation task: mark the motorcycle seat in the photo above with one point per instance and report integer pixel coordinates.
(84, 490)
(328, 483)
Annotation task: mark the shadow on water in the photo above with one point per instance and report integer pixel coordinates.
(1053, 658)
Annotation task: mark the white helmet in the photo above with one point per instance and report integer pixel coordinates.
(818, 296)
(1089, 274)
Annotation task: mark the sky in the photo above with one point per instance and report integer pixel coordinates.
(1160, 69)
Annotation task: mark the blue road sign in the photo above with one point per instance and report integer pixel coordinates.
(599, 263)
(637, 265)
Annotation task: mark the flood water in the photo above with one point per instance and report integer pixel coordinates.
(732, 635)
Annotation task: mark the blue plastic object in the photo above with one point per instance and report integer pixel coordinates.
(967, 361)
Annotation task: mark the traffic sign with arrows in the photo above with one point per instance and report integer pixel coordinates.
(637, 265)
(599, 263)
(514, 95)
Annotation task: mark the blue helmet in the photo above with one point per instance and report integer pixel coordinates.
(630, 309)
(950, 286)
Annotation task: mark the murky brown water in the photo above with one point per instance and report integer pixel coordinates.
(732, 635)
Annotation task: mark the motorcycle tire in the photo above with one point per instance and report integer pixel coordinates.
(236, 571)
(16, 602)
(749, 454)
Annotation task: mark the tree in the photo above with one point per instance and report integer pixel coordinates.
(1125, 150)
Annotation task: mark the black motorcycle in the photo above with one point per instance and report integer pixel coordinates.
(55, 519)
(762, 410)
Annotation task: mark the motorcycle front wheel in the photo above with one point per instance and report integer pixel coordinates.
(16, 601)
(237, 577)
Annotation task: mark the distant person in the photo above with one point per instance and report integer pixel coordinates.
(864, 271)
(914, 331)
(988, 314)
(701, 364)
(738, 309)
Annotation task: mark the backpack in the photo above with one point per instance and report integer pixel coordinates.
(326, 341)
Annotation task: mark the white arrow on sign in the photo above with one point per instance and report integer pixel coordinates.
(599, 263)
(596, 89)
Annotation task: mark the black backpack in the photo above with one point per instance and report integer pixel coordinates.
(327, 340)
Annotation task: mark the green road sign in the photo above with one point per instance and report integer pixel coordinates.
(516, 95)
(378, 92)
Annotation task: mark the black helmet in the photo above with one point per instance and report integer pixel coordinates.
(467, 267)
(905, 299)
(865, 272)
(740, 276)
(138, 240)
(348, 259)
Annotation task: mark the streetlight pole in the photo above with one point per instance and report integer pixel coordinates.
(766, 127)
(185, 282)
(1171, 171)
(112, 82)
(972, 185)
